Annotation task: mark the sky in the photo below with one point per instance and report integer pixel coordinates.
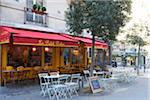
(140, 14)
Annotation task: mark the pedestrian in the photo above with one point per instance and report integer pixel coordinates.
(144, 68)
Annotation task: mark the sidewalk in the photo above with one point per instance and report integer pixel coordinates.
(139, 90)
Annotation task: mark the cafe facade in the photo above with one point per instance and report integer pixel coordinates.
(40, 51)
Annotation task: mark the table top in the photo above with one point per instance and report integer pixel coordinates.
(100, 72)
(57, 76)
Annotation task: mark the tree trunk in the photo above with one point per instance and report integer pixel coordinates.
(138, 60)
(93, 62)
(104, 57)
(110, 53)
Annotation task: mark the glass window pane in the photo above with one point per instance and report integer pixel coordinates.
(48, 56)
(76, 56)
(29, 16)
(24, 56)
(66, 56)
(35, 55)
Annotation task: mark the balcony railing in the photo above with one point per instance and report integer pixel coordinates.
(36, 19)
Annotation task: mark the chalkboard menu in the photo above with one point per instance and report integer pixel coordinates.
(95, 84)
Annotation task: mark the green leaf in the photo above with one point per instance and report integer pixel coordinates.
(99, 16)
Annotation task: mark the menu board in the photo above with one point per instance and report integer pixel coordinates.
(95, 84)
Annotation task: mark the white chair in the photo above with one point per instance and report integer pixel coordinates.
(95, 73)
(51, 89)
(64, 80)
(86, 74)
(75, 78)
(42, 83)
(74, 83)
(58, 87)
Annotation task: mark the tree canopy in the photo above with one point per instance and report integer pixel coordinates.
(102, 18)
(135, 40)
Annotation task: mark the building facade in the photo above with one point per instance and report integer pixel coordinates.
(19, 13)
(127, 55)
(31, 38)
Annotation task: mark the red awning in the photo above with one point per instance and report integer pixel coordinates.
(24, 36)
(34, 37)
(88, 41)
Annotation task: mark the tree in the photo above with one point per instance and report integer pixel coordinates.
(102, 18)
(136, 40)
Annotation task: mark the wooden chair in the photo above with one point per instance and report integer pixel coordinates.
(9, 68)
(6, 77)
(9, 76)
(20, 68)
(36, 71)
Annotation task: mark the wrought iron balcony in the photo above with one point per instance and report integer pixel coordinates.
(31, 17)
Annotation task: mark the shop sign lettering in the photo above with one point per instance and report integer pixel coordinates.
(51, 43)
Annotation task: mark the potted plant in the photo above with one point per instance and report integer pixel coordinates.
(43, 9)
(38, 9)
(34, 8)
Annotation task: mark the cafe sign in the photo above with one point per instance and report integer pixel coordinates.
(51, 43)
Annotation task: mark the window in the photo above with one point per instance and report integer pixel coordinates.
(48, 56)
(24, 56)
(66, 55)
(76, 56)
(90, 52)
(98, 57)
(32, 17)
(35, 56)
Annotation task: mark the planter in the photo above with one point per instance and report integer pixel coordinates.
(38, 9)
(38, 12)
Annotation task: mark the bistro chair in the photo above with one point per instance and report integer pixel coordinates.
(9, 76)
(74, 84)
(86, 74)
(55, 88)
(6, 77)
(20, 74)
(9, 68)
(43, 83)
(20, 68)
(64, 81)
(95, 73)
(36, 70)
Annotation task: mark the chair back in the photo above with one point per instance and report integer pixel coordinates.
(41, 75)
(20, 68)
(9, 68)
(86, 74)
(54, 73)
(63, 79)
(75, 78)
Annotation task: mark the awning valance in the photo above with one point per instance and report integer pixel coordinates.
(34, 37)
(31, 37)
(88, 41)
